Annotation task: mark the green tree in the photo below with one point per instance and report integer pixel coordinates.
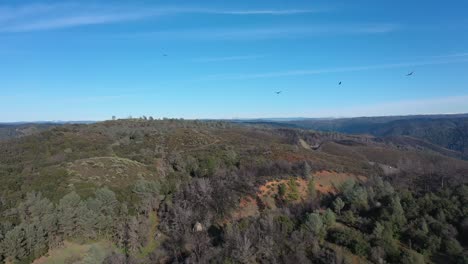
(144, 188)
(357, 197)
(412, 257)
(281, 190)
(397, 214)
(378, 231)
(311, 188)
(347, 187)
(294, 191)
(338, 205)
(351, 239)
(40, 245)
(315, 226)
(94, 256)
(69, 207)
(329, 218)
(453, 247)
(34, 208)
(14, 244)
(349, 217)
(306, 170)
(88, 221)
(106, 201)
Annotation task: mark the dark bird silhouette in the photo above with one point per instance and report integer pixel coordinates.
(165, 55)
(279, 92)
(339, 83)
(409, 74)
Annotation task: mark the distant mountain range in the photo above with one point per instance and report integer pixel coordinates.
(19, 129)
(46, 122)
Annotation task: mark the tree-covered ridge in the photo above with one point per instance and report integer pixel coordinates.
(447, 131)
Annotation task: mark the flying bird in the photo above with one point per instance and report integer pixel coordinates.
(165, 55)
(278, 92)
(339, 83)
(409, 74)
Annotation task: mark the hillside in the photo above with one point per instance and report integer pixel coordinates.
(447, 131)
(12, 130)
(173, 191)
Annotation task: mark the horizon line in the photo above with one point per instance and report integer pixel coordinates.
(223, 119)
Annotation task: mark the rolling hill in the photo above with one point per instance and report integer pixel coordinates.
(173, 190)
(447, 131)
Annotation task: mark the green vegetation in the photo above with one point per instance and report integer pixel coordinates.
(166, 191)
(293, 193)
(438, 133)
(92, 253)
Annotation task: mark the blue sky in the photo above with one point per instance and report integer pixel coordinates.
(89, 60)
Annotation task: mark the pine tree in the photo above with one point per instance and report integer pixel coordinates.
(40, 245)
(87, 222)
(329, 218)
(15, 244)
(397, 214)
(306, 169)
(106, 200)
(311, 188)
(314, 225)
(30, 238)
(34, 207)
(68, 209)
(338, 205)
(50, 224)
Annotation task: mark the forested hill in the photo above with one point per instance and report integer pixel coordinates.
(175, 191)
(21, 129)
(14, 130)
(448, 131)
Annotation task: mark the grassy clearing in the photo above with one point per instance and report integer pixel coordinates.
(152, 241)
(75, 253)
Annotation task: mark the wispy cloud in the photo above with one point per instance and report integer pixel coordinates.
(229, 58)
(455, 55)
(272, 32)
(54, 16)
(269, 12)
(10, 13)
(289, 73)
(73, 21)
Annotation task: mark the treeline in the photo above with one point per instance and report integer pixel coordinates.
(37, 225)
(382, 224)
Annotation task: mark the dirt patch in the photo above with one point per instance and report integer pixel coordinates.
(270, 191)
(327, 181)
(295, 190)
(304, 144)
(268, 195)
(247, 207)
